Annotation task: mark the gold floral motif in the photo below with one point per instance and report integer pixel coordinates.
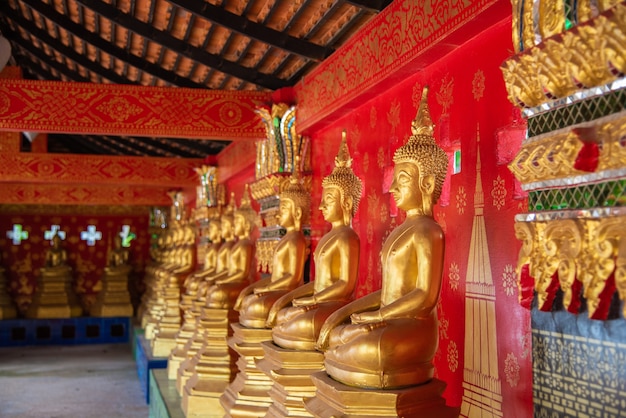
(453, 356)
(551, 17)
(523, 87)
(498, 192)
(554, 155)
(461, 200)
(393, 116)
(509, 280)
(445, 94)
(570, 250)
(478, 84)
(511, 369)
(454, 276)
(589, 55)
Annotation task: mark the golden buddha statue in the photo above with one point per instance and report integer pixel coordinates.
(119, 255)
(228, 285)
(336, 263)
(248, 394)
(255, 301)
(114, 298)
(55, 296)
(196, 283)
(392, 336)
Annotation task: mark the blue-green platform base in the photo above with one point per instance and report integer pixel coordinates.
(164, 399)
(145, 362)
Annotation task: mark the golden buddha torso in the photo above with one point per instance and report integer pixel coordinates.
(336, 263)
(287, 273)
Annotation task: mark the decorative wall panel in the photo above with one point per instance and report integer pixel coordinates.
(110, 109)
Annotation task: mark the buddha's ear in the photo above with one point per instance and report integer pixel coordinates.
(347, 203)
(427, 183)
(297, 213)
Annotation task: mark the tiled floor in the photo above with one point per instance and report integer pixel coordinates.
(83, 381)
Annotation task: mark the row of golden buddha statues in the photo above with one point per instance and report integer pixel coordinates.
(55, 295)
(280, 347)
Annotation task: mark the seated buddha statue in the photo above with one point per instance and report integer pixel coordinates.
(196, 282)
(56, 256)
(118, 256)
(187, 250)
(240, 272)
(388, 339)
(255, 301)
(336, 263)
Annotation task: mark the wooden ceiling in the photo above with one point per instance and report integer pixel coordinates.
(259, 45)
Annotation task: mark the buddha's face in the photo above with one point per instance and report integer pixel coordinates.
(330, 206)
(214, 231)
(285, 213)
(227, 228)
(405, 186)
(240, 223)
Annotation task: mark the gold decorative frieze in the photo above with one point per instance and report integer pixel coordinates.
(593, 150)
(581, 256)
(557, 63)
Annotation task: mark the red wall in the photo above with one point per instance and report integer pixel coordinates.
(23, 262)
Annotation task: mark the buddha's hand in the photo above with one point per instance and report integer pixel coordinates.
(324, 337)
(260, 290)
(366, 317)
(306, 301)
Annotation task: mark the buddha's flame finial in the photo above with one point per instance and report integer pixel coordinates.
(423, 125)
(245, 198)
(343, 158)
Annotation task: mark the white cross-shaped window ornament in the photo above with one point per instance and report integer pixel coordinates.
(126, 236)
(54, 229)
(91, 235)
(17, 234)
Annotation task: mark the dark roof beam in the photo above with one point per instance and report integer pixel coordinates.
(43, 57)
(375, 6)
(55, 44)
(174, 44)
(105, 46)
(251, 29)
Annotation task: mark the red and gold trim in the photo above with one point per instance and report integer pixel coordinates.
(111, 109)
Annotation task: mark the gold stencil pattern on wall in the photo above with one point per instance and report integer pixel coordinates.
(498, 192)
(482, 395)
(478, 84)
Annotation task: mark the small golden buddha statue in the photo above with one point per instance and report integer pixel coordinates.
(54, 296)
(392, 336)
(255, 301)
(119, 255)
(56, 256)
(228, 284)
(336, 263)
(113, 298)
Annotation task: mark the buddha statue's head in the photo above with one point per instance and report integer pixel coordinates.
(56, 241)
(295, 203)
(117, 242)
(227, 219)
(420, 166)
(245, 217)
(341, 189)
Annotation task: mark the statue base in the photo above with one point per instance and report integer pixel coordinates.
(54, 297)
(334, 399)
(164, 340)
(290, 370)
(248, 394)
(179, 353)
(114, 299)
(203, 379)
